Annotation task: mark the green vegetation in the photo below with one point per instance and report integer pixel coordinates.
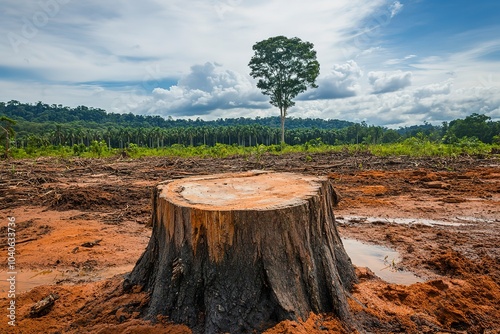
(40, 130)
(6, 133)
(410, 147)
(285, 67)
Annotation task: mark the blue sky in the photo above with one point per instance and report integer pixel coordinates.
(386, 62)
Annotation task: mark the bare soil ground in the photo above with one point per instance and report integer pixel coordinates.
(81, 224)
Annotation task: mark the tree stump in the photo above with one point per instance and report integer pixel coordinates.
(241, 252)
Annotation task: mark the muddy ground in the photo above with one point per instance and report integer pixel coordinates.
(81, 224)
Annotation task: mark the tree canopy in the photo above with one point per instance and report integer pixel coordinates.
(474, 125)
(285, 67)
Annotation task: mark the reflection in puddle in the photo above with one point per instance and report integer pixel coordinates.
(459, 221)
(27, 280)
(380, 260)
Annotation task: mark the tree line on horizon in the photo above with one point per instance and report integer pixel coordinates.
(42, 125)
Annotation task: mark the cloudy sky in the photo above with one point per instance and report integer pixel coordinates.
(386, 62)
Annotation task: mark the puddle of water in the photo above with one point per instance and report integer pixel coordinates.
(404, 221)
(474, 220)
(379, 259)
(27, 280)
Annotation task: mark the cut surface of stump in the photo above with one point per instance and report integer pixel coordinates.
(240, 252)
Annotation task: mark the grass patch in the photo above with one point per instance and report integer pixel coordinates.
(412, 147)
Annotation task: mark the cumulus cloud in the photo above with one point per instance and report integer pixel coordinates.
(441, 88)
(434, 103)
(341, 82)
(205, 88)
(383, 82)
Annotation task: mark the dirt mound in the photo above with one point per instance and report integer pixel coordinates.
(99, 307)
(435, 306)
(456, 265)
(316, 324)
(97, 198)
(77, 198)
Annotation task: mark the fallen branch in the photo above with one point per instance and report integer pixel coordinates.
(90, 244)
(43, 307)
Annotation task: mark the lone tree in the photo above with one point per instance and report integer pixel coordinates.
(240, 252)
(286, 67)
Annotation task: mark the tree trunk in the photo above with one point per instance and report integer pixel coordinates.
(241, 252)
(282, 118)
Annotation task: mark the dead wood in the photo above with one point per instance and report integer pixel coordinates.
(241, 252)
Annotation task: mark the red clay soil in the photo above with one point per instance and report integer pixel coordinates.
(81, 224)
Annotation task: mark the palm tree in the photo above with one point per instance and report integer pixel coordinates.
(205, 131)
(70, 134)
(156, 134)
(109, 134)
(7, 131)
(163, 133)
(127, 132)
(139, 135)
(191, 132)
(59, 134)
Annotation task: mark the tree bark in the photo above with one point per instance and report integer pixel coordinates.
(241, 252)
(282, 119)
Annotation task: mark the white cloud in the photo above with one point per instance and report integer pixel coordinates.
(206, 88)
(469, 68)
(433, 89)
(383, 82)
(434, 103)
(98, 39)
(396, 61)
(369, 51)
(395, 8)
(138, 56)
(341, 82)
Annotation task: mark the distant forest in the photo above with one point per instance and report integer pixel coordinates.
(40, 124)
